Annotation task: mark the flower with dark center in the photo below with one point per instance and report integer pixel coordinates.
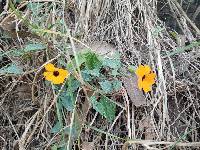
(146, 78)
(55, 75)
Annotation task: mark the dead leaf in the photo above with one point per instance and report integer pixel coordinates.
(88, 146)
(101, 48)
(8, 23)
(136, 95)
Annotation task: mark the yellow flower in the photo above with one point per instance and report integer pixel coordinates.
(55, 75)
(146, 78)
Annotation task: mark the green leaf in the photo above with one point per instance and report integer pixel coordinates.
(12, 52)
(94, 72)
(21, 51)
(67, 101)
(112, 63)
(109, 86)
(18, 1)
(91, 60)
(66, 98)
(105, 107)
(106, 86)
(115, 73)
(116, 85)
(75, 84)
(86, 77)
(17, 52)
(81, 60)
(34, 47)
(11, 69)
(35, 6)
(131, 68)
(56, 128)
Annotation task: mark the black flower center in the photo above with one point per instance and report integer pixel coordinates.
(55, 73)
(143, 77)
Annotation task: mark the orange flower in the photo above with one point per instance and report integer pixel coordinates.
(146, 78)
(55, 75)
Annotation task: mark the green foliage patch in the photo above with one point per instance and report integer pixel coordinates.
(97, 71)
(11, 69)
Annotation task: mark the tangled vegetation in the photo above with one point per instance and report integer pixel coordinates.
(99, 74)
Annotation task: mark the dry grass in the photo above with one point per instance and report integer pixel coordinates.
(171, 118)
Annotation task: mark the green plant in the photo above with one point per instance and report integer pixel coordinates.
(100, 82)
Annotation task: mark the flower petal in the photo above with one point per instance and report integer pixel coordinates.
(48, 76)
(58, 80)
(150, 78)
(55, 78)
(142, 70)
(49, 67)
(146, 88)
(63, 73)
